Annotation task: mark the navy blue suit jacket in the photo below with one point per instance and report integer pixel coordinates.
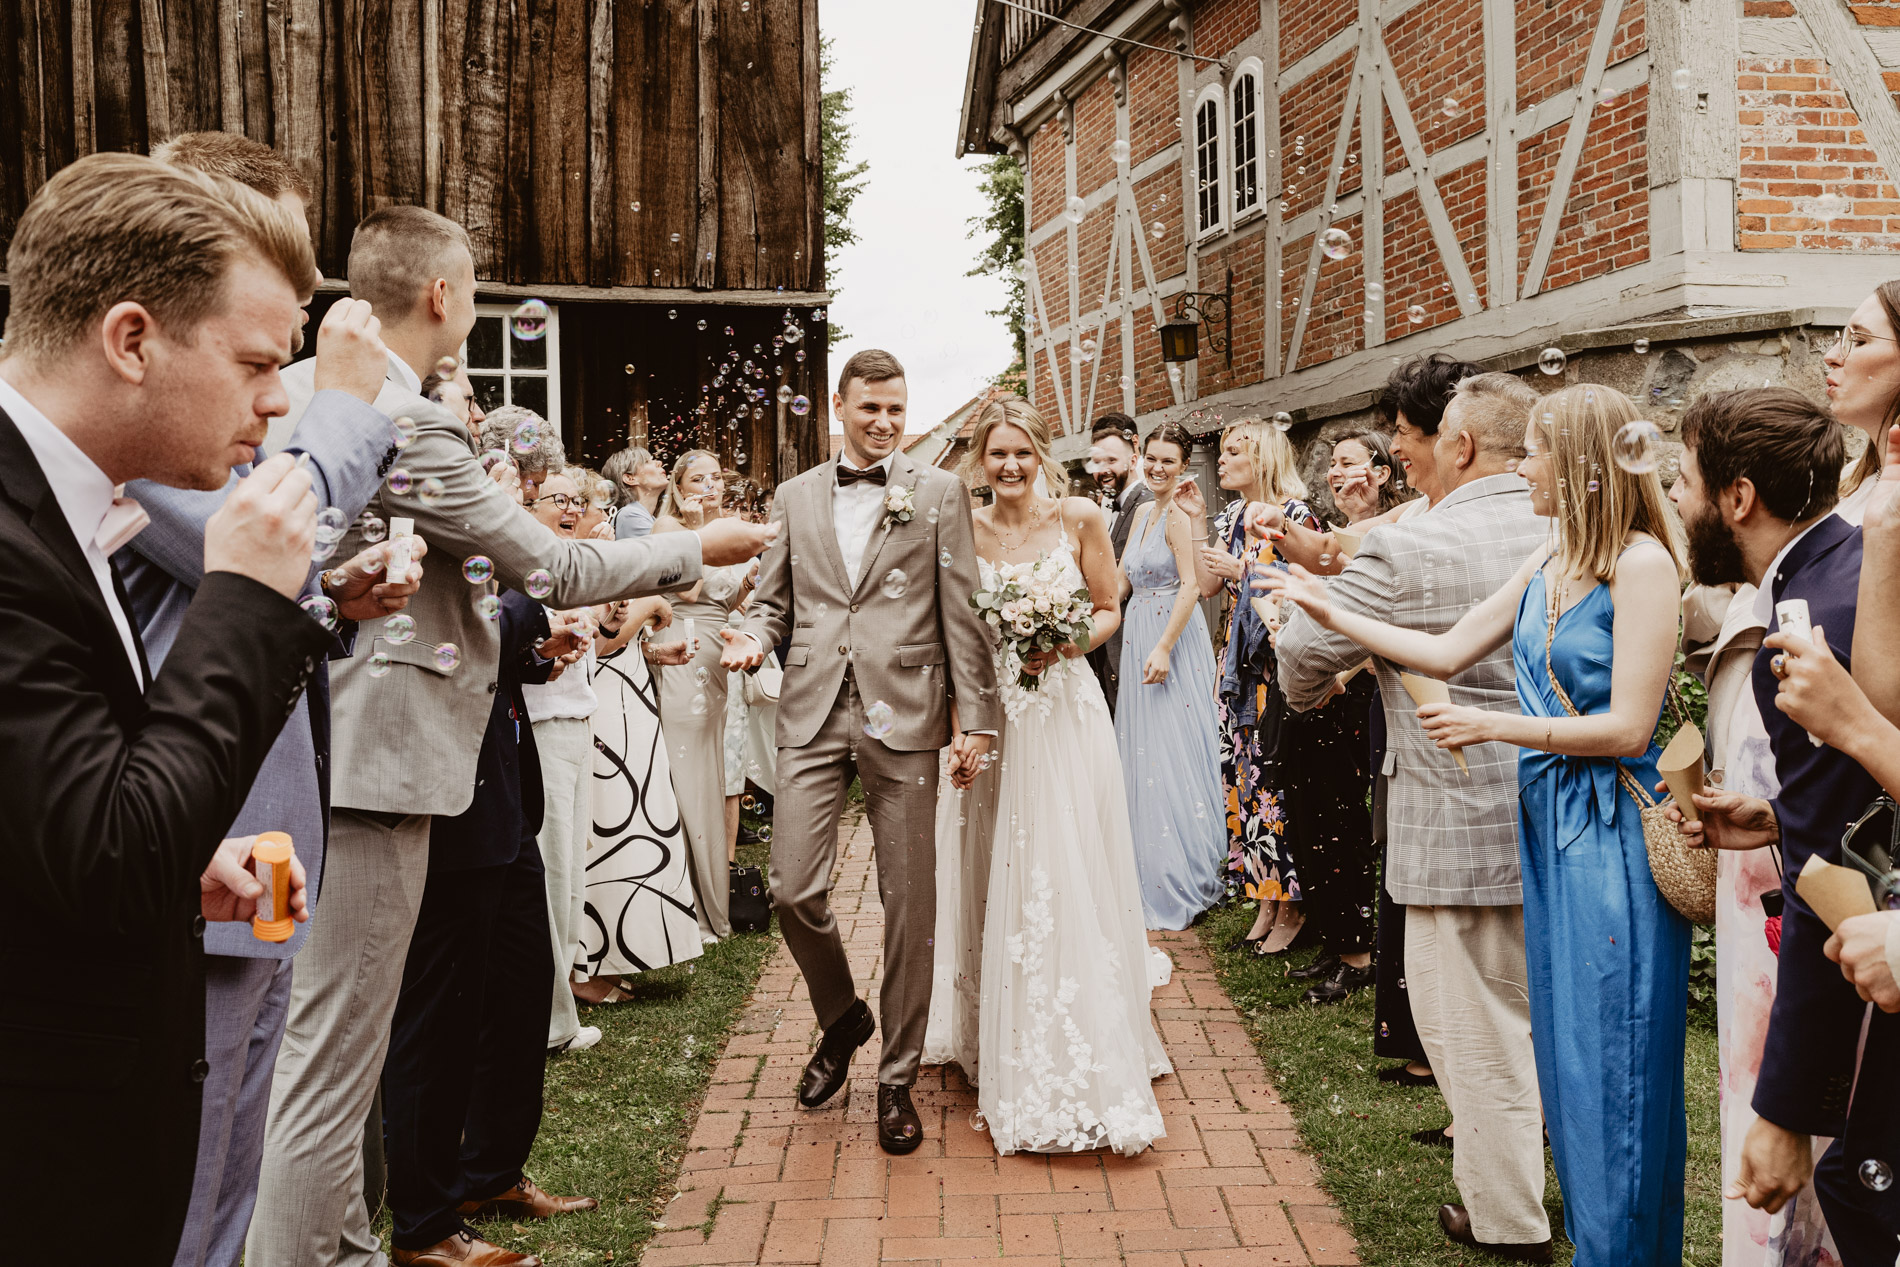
(1807, 1066)
(508, 800)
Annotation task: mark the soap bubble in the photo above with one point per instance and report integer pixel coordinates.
(946, 559)
(529, 321)
(446, 367)
(477, 569)
(1682, 78)
(1119, 151)
(447, 656)
(1088, 349)
(1637, 447)
(331, 524)
(322, 550)
(1335, 244)
(1159, 230)
(378, 664)
(794, 333)
(1876, 1175)
(527, 435)
(785, 394)
(895, 583)
(1641, 347)
(399, 628)
(978, 1122)
(1283, 420)
(878, 720)
(801, 406)
(374, 529)
(488, 606)
(320, 609)
(405, 431)
(1076, 210)
(400, 481)
(431, 491)
(1375, 291)
(1552, 360)
(1450, 108)
(1415, 314)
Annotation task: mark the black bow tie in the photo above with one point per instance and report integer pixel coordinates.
(849, 475)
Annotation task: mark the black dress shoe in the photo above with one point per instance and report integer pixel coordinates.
(898, 1129)
(1435, 1137)
(1318, 970)
(1344, 980)
(831, 1063)
(1406, 1078)
(1457, 1224)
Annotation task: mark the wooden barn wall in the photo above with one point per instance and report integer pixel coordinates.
(575, 139)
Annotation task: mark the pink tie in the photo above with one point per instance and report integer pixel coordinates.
(124, 521)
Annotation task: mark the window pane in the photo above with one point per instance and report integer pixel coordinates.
(1246, 146)
(484, 344)
(532, 393)
(1207, 156)
(527, 354)
(488, 390)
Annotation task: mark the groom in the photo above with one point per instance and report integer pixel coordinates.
(871, 575)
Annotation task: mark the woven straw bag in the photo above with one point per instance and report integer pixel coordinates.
(1684, 876)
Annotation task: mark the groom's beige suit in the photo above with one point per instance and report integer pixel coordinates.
(899, 631)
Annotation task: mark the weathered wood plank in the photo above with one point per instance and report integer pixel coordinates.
(455, 33)
(655, 152)
(85, 126)
(118, 102)
(253, 49)
(601, 206)
(706, 234)
(230, 78)
(277, 76)
(811, 276)
(517, 260)
(32, 71)
(432, 104)
(483, 134)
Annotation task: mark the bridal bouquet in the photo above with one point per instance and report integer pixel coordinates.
(1032, 607)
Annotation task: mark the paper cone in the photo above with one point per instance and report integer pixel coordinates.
(1354, 671)
(1681, 768)
(1349, 540)
(1428, 690)
(1835, 893)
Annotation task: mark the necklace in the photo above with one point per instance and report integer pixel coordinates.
(1035, 522)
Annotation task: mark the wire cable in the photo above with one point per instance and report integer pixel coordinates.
(1118, 39)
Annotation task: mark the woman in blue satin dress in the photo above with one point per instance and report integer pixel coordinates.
(1595, 615)
(1165, 722)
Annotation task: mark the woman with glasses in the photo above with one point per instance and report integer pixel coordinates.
(1863, 386)
(693, 694)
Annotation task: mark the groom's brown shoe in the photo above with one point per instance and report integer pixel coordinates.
(898, 1128)
(831, 1063)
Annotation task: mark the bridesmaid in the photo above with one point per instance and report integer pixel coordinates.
(693, 695)
(1591, 619)
(1165, 722)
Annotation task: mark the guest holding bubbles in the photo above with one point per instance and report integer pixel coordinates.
(1165, 723)
(1591, 620)
(1364, 478)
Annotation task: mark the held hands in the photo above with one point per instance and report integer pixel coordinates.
(229, 891)
(1298, 586)
(360, 595)
(1729, 821)
(968, 755)
(742, 651)
(1456, 725)
(724, 542)
(350, 352)
(266, 527)
(1816, 691)
(1775, 1165)
(1859, 945)
(1155, 670)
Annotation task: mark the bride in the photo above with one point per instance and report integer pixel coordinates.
(1042, 963)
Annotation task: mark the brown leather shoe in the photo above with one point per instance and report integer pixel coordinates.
(1456, 1221)
(524, 1201)
(899, 1130)
(830, 1065)
(461, 1250)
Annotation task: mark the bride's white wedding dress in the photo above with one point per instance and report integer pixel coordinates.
(1042, 963)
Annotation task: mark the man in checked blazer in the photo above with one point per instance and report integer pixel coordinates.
(1452, 857)
(407, 730)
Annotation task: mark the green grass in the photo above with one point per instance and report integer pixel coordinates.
(618, 1115)
(1388, 1187)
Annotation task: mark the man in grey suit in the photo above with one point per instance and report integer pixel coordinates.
(1452, 837)
(410, 712)
(247, 980)
(872, 577)
(1114, 436)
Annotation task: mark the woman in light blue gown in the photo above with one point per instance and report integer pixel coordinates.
(1591, 618)
(1165, 721)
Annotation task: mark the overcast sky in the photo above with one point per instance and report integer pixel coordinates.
(902, 286)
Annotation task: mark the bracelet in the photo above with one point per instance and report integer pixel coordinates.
(1546, 734)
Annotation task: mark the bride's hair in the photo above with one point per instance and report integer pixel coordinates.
(672, 503)
(1014, 411)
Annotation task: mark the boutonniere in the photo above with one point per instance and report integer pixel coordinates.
(900, 504)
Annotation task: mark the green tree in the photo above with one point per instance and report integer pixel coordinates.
(999, 230)
(844, 180)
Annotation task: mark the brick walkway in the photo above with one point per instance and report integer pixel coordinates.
(782, 1184)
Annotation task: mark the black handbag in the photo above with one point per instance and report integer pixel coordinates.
(749, 905)
(1873, 857)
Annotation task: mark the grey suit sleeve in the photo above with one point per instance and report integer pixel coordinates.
(469, 515)
(769, 613)
(1310, 655)
(346, 440)
(967, 653)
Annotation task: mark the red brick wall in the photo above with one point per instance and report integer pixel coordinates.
(1307, 24)
(1220, 25)
(1605, 222)
(1800, 141)
(1309, 120)
(1438, 55)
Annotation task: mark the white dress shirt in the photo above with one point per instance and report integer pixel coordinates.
(854, 514)
(84, 494)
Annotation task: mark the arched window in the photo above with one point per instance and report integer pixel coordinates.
(1207, 161)
(1246, 116)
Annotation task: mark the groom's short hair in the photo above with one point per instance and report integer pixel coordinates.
(873, 365)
